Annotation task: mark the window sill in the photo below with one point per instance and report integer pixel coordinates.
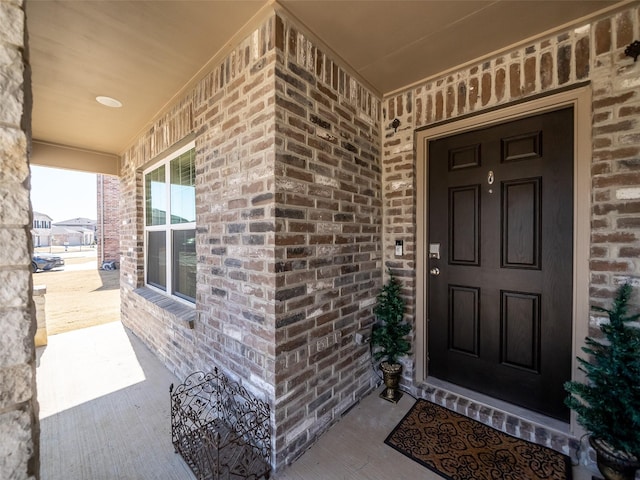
(179, 310)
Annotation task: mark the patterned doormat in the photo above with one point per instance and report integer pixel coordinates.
(460, 448)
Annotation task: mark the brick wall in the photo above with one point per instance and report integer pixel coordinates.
(160, 328)
(592, 53)
(288, 213)
(108, 224)
(289, 197)
(19, 428)
(230, 114)
(328, 239)
(235, 213)
(615, 235)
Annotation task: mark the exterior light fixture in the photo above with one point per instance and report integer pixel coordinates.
(109, 102)
(633, 50)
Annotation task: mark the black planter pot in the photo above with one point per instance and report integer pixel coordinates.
(612, 464)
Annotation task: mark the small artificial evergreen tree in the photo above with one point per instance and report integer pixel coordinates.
(608, 405)
(390, 333)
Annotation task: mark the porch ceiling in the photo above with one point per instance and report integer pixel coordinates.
(145, 52)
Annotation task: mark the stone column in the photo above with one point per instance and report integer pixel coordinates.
(19, 427)
(41, 314)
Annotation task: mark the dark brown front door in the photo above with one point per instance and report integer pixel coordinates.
(500, 301)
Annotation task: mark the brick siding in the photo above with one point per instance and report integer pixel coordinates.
(591, 53)
(328, 239)
(108, 224)
(19, 427)
(289, 216)
(299, 204)
(233, 323)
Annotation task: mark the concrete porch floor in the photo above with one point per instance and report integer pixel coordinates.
(104, 415)
(104, 408)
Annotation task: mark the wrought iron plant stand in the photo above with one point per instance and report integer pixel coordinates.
(221, 431)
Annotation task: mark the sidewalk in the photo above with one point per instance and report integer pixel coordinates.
(70, 252)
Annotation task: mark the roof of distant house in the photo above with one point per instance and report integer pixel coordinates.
(41, 215)
(79, 221)
(66, 231)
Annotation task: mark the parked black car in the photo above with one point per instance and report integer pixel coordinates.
(45, 262)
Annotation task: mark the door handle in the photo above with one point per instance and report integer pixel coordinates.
(435, 271)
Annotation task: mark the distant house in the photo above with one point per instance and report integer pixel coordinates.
(41, 230)
(61, 236)
(73, 232)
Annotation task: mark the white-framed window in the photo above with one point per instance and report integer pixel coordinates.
(170, 224)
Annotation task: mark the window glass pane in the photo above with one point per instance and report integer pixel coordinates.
(183, 188)
(157, 259)
(184, 264)
(155, 195)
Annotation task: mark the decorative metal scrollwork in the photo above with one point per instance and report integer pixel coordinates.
(220, 429)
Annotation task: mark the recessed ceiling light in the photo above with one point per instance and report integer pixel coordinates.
(109, 102)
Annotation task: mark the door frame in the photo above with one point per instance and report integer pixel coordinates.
(580, 99)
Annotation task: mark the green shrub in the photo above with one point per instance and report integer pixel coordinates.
(389, 334)
(608, 405)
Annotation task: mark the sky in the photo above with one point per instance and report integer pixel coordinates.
(63, 194)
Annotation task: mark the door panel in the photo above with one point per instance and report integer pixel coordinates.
(501, 208)
(520, 325)
(463, 318)
(521, 223)
(521, 147)
(464, 218)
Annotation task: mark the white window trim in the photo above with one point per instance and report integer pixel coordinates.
(168, 228)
